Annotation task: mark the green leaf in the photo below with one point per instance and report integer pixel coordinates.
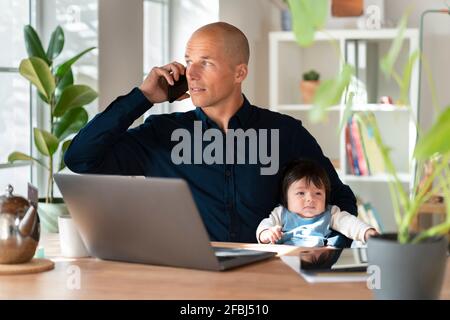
(33, 44)
(388, 61)
(38, 73)
(330, 93)
(45, 142)
(71, 122)
(64, 148)
(20, 156)
(319, 12)
(347, 111)
(56, 44)
(437, 139)
(406, 78)
(43, 98)
(63, 68)
(72, 97)
(63, 83)
(307, 17)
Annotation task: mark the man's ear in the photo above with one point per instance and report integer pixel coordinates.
(241, 72)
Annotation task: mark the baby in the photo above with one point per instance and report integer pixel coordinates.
(304, 218)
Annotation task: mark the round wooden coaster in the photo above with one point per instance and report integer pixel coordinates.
(33, 266)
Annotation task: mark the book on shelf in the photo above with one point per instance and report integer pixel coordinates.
(370, 217)
(366, 122)
(362, 213)
(361, 159)
(368, 214)
(375, 215)
(354, 158)
(348, 150)
(364, 151)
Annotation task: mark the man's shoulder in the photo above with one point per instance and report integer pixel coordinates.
(277, 117)
(171, 117)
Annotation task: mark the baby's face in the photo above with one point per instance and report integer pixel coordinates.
(306, 200)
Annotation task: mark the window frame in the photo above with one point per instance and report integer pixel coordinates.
(167, 4)
(5, 69)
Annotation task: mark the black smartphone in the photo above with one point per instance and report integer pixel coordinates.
(178, 89)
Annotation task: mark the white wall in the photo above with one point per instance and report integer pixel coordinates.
(186, 16)
(436, 48)
(121, 49)
(256, 19)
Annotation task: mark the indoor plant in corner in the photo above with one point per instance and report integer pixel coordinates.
(65, 101)
(406, 265)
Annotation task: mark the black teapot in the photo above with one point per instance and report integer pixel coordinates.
(19, 228)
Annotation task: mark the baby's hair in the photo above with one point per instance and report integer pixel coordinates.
(303, 168)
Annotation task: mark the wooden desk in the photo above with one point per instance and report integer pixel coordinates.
(270, 279)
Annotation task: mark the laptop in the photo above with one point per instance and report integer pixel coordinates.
(145, 220)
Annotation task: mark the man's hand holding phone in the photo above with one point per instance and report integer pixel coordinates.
(165, 83)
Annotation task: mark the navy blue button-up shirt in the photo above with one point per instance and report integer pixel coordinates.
(232, 197)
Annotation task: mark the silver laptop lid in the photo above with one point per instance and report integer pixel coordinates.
(136, 219)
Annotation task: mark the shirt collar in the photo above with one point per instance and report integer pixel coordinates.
(242, 116)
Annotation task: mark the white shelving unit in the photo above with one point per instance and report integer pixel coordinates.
(287, 63)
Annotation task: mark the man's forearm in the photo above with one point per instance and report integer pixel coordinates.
(88, 150)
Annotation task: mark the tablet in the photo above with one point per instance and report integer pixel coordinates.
(334, 260)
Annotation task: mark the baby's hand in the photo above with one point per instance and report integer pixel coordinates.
(370, 233)
(271, 235)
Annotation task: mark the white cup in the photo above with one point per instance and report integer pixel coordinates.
(69, 239)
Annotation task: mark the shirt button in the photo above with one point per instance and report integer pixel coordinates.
(228, 173)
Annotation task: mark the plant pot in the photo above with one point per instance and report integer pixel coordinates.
(408, 271)
(49, 213)
(308, 90)
(70, 241)
(347, 8)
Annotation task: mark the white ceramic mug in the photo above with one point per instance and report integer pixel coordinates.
(69, 239)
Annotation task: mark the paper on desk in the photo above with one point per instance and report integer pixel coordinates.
(294, 263)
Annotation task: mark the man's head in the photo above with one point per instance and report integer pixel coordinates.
(217, 56)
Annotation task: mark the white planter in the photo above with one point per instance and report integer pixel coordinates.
(49, 213)
(71, 244)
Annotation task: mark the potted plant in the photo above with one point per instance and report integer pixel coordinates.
(411, 265)
(65, 102)
(308, 85)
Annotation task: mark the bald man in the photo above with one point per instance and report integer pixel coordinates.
(235, 185)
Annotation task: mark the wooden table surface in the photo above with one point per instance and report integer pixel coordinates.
(98, 279)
